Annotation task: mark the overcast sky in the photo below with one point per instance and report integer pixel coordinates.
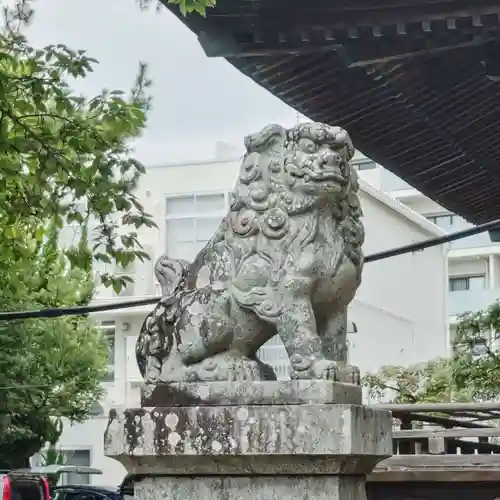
(197, 100)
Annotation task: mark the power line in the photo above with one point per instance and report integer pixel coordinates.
(57, 312)
(385, 254)
(25, 386)
(431, 242)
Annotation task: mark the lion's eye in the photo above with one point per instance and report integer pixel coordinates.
(308, 146)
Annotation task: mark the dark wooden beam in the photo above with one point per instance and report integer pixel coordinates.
(362, 51)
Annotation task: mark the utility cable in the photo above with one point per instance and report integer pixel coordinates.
(431, 242)
(57, 312)
(385, 254)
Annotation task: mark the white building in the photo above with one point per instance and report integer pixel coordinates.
(399, 311)
(473, 262)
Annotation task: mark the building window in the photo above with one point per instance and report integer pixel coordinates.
(364, 165)
(444, 221)
(274, 354)
(108, 329)
(76, 457)
(191, 221)
(461, 283)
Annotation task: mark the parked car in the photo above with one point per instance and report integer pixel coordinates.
(22, 484)
(32, 484)
(90, 492)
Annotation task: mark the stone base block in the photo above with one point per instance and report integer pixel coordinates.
(246, 441)
(291, 392)
(251, 488)
(231, 440)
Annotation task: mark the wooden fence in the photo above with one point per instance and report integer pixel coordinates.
(441, 452)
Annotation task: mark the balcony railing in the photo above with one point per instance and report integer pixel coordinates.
(274, 354)
(463, 301)
(391, 182)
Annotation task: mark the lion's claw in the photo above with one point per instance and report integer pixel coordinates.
(316, 369)
(324, 369)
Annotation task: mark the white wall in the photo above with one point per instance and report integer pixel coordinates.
(400, 308)
(188, 178)
(123, 391)
(424, 205)
(410, 197)
(90, 436)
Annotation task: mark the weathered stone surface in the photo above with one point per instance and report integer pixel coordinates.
(252, 488)
(285, 261)
(290, 392)
(279, 439)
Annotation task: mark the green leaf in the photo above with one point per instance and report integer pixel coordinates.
(59, 150)
(39, 233)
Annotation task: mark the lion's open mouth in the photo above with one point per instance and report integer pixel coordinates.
(308, 174)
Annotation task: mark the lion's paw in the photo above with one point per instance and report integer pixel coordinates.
(226, 367)
(313, 368)
(191, 352)
(350, 374)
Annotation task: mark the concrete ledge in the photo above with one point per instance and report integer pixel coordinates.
(292, 392)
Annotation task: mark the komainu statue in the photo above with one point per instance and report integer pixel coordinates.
(286, 261)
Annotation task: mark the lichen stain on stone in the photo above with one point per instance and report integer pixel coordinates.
(203, 278)
(133, 428)
(204, 392)
(220, 431)
(171, 421)
(174, 439)
(218, 286)
(160, 431)
(232, 444)
(148, 433)
(242, 414)
(113, 435)
(216, 446)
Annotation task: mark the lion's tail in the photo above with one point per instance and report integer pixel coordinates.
(170, 273)
(156, 338)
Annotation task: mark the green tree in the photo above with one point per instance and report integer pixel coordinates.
(476, 359)
(471, 374)
(423, 382)
(49, 368)
(52, 455)
(185, 6)
(58, 151)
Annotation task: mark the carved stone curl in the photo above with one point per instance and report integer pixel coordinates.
(285, 261)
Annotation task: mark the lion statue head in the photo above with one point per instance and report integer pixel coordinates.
(287, 172)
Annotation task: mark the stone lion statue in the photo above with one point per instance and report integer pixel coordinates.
(286, 261)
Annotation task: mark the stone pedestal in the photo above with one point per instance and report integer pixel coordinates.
(269, 440)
